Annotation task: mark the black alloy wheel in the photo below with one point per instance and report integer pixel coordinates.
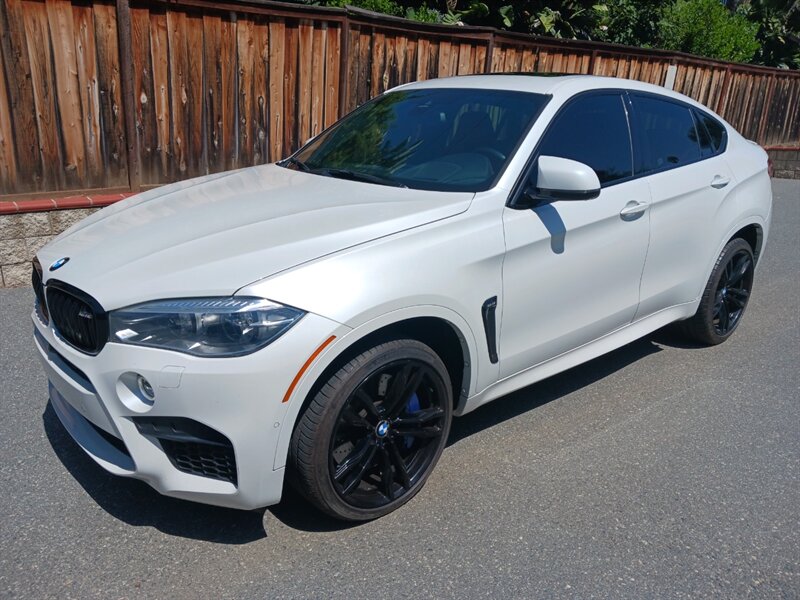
(387, 433)
(733, 292)
(725, 297)
(372, 435)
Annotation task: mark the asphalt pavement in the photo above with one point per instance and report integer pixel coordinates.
(660, 470)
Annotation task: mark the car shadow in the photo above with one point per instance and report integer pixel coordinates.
(135, 503)
(547, 390)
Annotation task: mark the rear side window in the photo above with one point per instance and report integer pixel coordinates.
(667, 135)
(712, 130)
(592, 130)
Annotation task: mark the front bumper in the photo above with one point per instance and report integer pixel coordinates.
(96, 399)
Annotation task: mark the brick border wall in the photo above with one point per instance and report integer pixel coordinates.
(27, 225)
(785, 162)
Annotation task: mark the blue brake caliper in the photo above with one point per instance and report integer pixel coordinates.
(411, 407)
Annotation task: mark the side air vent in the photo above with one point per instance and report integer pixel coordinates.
(38, 289)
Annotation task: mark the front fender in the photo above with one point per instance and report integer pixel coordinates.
(346, 338)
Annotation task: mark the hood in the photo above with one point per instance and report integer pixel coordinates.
(213, 235)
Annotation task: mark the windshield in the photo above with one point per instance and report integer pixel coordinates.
(428, 139)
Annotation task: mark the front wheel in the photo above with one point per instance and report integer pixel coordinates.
(725, 297)
(373, 433)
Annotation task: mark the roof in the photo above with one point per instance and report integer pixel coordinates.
(551, 84)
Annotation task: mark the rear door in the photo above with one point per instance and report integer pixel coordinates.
(679, 152)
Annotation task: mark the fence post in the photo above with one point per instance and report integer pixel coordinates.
(487, 68)
(128, 101)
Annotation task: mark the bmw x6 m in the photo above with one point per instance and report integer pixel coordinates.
(325, 318)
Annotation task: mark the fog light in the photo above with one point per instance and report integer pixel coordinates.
(145, 387)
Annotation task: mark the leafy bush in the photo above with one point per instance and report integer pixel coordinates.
(778, 31)
(707, 28)
(423, 14)
(387, 7)
(630, 22)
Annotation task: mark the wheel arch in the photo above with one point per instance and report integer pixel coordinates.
(756, 230)
(753, 234)
(443, 330)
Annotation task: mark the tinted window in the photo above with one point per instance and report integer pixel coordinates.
(714, 129)
(592, 130)
(431, 139)
(707, 147)
(667, 132)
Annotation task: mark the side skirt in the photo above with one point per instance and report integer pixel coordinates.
(582, 354)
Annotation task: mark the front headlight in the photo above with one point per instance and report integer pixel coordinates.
(203, 326)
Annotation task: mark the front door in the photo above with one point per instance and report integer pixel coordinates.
(572, 268)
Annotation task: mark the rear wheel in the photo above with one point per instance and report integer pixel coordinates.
(725, 297)
(373, 433)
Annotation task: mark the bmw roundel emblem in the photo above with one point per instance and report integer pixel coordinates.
(382, 429)
(59, 263)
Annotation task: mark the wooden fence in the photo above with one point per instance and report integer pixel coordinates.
(121, 96)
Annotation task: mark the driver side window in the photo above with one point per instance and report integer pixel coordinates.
(593, 130)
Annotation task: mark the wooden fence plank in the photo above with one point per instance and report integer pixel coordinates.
(197, 135)
(479, 58)
(44, 95)
(444, 58)
(260, 128)
(178, 84)
(305, 33)
(112, 125)
(86, 58)
(364, 49)
(352, 57)
(246, 57)
(277, 29)
(433, 60)
(230, 150)
(464, 59)
(410, 60)
(333, 62)
(59, 17)
(22, 109)
(381, 55)
(143, 95)
(528, 60)
(400, 48)
(290, 90)
(423, 57)
(318, 78)
(159, 53)
(212, 75)
(8, 163)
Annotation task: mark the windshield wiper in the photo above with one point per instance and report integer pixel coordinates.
(357, 176)
(296, 162)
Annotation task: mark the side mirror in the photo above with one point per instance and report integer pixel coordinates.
(562, 179)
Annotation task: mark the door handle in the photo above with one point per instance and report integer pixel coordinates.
(720, 182)
(633, 209)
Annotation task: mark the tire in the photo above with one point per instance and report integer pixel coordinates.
(725, 297)
(372, 434)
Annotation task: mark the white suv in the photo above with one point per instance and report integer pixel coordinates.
(444, 244)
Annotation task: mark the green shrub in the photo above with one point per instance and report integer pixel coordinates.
(707, 28)
(423, 14)
(387, 7)
(631, 22)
